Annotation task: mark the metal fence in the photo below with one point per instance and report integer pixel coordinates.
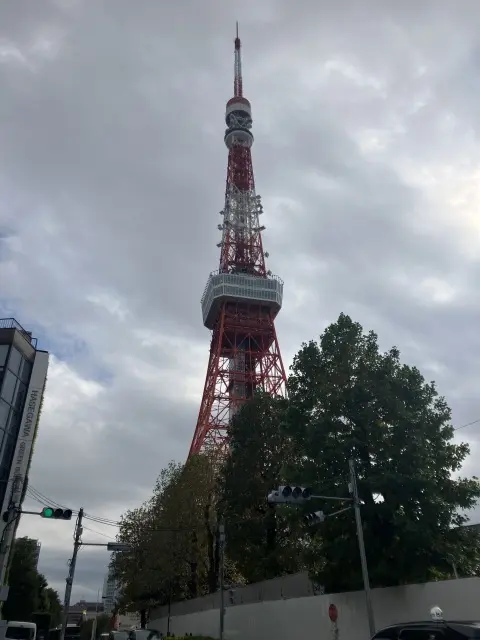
(11, 323)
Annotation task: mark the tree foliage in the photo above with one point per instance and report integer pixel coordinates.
(346, 400)
(50, 603)
(29, 590)
(173, 536)
(263, 542)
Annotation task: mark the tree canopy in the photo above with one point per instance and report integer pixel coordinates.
(349, 400)
(346, 400)
(263, 541)
(29, 591)
(174, 539)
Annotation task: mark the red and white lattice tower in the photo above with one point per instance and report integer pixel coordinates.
(242, 298)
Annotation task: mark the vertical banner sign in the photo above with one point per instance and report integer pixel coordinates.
(26, 434)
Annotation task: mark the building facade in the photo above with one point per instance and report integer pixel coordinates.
(84, 610)
(110, 592)
(23, 372)
(38, 546)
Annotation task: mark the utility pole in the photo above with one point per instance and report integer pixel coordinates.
(361, 545)
(93, 635)
(71, 574)
(221, 536)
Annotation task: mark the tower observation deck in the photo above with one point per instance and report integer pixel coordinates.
(241, 299)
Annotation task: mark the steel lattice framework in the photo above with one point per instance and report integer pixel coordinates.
(242, 298)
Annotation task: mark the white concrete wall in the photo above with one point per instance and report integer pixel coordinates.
(307, 618)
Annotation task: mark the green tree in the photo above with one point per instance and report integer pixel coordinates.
(23, 579)
(131, 567)
(173, 539)
(50, 603)
(348, 400)
(263, 542)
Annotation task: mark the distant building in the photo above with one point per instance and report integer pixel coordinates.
(128, 621)
(84, 610)
(111, 592)
(38, 546)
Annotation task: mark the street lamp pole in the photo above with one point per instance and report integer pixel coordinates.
(361, 546)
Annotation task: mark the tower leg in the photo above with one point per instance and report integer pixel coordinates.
(244, 358)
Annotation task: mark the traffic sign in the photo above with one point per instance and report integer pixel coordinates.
(333, 613)
(118, 546)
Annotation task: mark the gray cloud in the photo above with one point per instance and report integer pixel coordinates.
(112, 171)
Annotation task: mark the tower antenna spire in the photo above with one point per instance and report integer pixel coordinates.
(238, 83)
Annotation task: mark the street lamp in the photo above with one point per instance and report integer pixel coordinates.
(300, 495)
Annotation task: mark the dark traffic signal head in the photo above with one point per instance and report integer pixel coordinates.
(56, 514)
(314, 518)
(289, 495)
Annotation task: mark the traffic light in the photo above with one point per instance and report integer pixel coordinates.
(314, 518)
(56, 514)
(289, 495)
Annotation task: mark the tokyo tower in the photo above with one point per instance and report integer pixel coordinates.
(242, 298)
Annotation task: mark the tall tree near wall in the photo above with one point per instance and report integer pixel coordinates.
(347, 399)
(172, 537)
(263, 542)
(131, 568)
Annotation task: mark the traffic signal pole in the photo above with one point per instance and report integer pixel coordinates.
(299, 495)
(71, 573)
(361, 547)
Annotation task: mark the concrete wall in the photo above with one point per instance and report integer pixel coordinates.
(304, 618)
(297, 585)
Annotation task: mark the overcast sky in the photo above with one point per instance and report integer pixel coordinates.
(112, 170)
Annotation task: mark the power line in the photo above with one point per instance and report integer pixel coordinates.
(468, 424)
(44, 500)
(99, 533)
(112, 523)
(39, 497)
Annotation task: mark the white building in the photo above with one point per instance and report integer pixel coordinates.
(110, 592)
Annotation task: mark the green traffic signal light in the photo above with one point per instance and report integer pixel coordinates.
(56, 514)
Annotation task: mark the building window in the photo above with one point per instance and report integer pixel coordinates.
(19, 396)
(15, 360)
(25, 370)
(6, 459)
(12, 428)
(8, 387)
(4, 411)
(3, 354)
